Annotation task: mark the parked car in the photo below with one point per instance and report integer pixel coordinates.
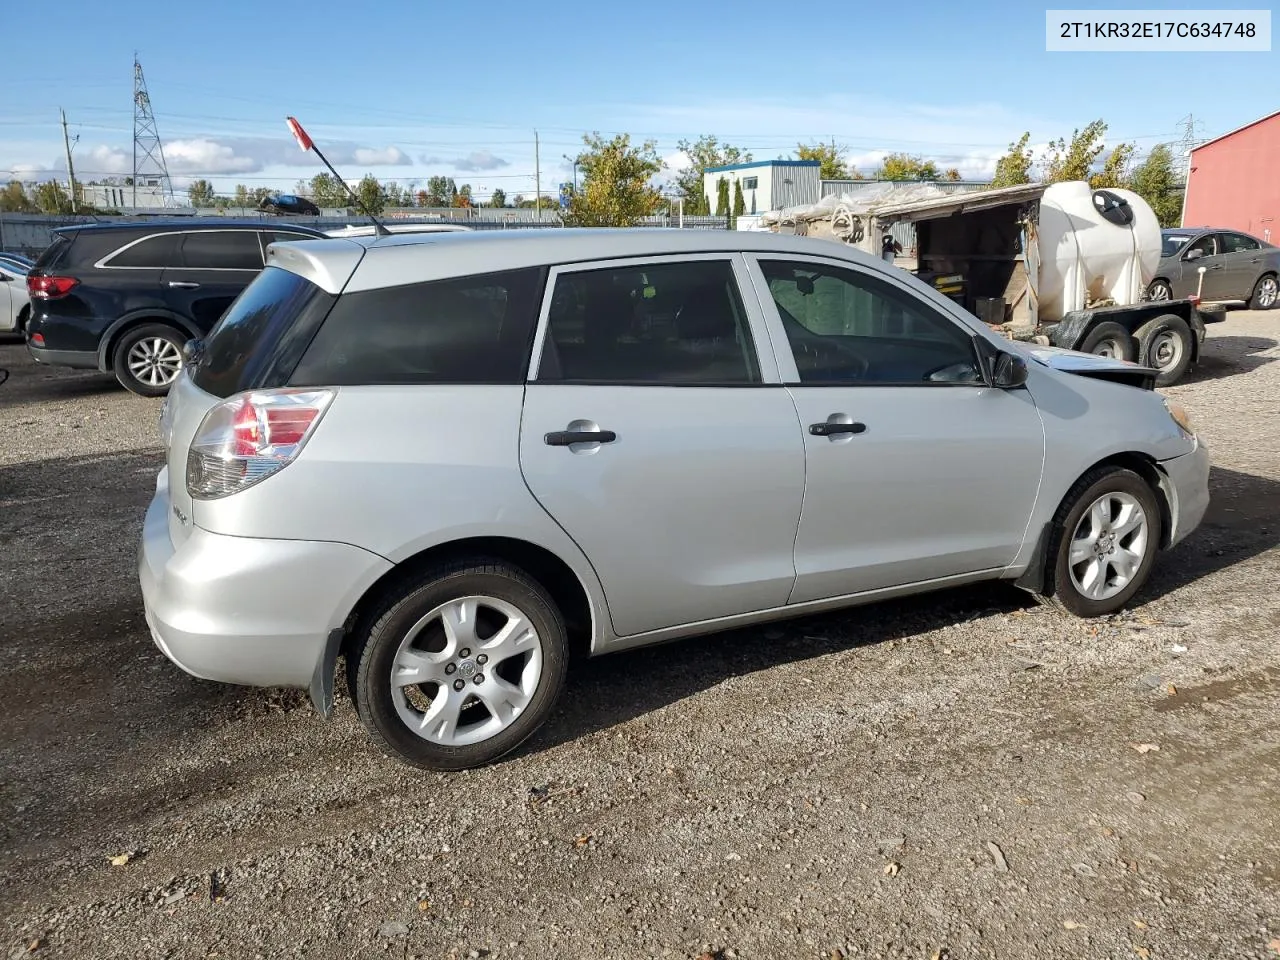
(15, 303)
(285, 203)
(1237, 267)
(124, 297)
(453, 460)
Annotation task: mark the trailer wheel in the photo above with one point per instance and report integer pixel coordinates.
(1166, 344)
(1110, 339)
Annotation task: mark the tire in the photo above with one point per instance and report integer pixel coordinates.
(129, 359)
(1266, 293)
(1167, 344)
(23, 315)
(1066, 587)
(1110, 339)
(406, 627)
(1159, 290)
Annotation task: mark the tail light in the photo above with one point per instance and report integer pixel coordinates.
(50, 288)
(250, 436)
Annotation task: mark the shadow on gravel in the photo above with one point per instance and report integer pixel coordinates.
(30, 382)
(1227, 356)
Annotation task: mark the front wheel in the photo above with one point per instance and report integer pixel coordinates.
(1166, 344)
(461, 666)
(148, 359)
(1104, 542)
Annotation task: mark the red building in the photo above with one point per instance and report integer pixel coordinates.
(1235, 181)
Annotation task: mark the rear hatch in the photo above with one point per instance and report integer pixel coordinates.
(255, 346)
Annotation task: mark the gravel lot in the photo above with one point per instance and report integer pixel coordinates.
(949, 777)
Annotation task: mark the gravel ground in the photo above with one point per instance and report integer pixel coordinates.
(963, 775)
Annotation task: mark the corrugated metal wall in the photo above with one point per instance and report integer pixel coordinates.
(805, 186)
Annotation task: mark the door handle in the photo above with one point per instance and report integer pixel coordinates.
(183, 284)
(563, 438)
(827, 429)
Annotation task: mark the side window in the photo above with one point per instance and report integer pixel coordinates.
(221, 250)
(471, 330)
(849, 327)
(1238, 243)
(661, 323)
(155, 252)
(1207, 245)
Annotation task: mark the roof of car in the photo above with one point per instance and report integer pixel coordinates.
(419, 257)
(187, 223)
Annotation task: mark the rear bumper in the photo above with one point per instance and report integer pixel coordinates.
(1188, 481)
(243, 610)
(80, 359)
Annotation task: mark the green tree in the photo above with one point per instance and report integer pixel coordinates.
(722, 197)
(617, 188)
(393, 194)
(369, 190)
(1114, 168)
(498, 198)
(902, 166)
(258, 194)
(953, 175)
(1157, 183)
(241, 196)
(51, 198)
(463, 197)
(328, 191)
(739, 202)
(706, 151)
(830, 159)
(201, 193)
(1074, 160)
(1015, 166)
(14, 199)
(440, 192)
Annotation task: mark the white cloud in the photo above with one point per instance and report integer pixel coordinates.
(677, 162)
(477, 161)
(387, 157)
(205, 156)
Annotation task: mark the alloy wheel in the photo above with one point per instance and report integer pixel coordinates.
(1108, 546)
(155, 361)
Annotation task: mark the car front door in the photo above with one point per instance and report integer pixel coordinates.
(210, 269)
(1242, 265)
(1205, 253)
(916, 470)
(657, 434)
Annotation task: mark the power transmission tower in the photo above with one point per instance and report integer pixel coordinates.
(1189, 141)
(148, 153)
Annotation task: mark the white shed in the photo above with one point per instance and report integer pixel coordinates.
(766, 184)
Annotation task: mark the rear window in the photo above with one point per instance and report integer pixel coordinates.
(53, 252)
(222, 250)
(470, 330)
(263, 333)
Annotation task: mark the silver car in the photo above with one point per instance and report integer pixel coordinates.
(15, 302)
(451, 460)
(1236, 268)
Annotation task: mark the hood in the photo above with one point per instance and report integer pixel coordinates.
(1091, 365)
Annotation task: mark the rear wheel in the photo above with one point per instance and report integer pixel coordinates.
(1104, 542)
(1166, 344)
(147, 359)
(1110, 339)
(1266, 293)
(460, 666)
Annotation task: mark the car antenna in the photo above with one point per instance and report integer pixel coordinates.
(306, 143)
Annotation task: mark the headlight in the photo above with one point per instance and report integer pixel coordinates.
(1181, 418)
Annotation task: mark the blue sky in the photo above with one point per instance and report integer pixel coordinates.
(406, 90)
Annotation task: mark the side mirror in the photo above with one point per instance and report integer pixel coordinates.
(1009, 372)
(1195, 254)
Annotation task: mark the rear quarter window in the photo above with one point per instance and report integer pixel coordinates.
(476, 329)
(260, 338)
(54, 251)
(155, 252)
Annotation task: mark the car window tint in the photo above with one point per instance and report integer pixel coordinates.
(1207, 245)
(848, 327)
(158, 251)
(222, 250)
(1238, 243)
(470, 330)
(668, 323)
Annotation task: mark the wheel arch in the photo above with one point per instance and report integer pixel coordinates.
(111, 336)
(1036, 575)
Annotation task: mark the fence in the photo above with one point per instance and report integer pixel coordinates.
(30, 233)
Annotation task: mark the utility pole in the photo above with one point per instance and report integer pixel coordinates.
(71, 171)
(537, 178)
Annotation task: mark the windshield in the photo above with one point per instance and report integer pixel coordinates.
(1171, 243)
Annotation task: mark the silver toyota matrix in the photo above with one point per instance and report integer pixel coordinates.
(451, 459)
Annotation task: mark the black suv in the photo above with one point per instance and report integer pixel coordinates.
(125, 297)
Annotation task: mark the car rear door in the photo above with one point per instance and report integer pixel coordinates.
(208, 272)
(916, 470)
(1242, 264)
(656, 433)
